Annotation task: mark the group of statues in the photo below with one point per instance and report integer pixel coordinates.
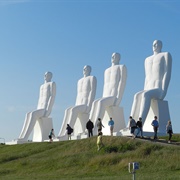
(157, 77)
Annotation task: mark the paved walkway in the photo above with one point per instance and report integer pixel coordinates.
(160, 141)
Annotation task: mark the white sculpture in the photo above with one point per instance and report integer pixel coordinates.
(77, 116)
(150, 100)
(114, 85)
(44, 108)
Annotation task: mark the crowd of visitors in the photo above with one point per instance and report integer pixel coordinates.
(136, 129)
(133, 125)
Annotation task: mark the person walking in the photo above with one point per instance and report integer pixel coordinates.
(132, 126)
(139, 127)
(99, 141)
(89, 127)
(69, 131)
(155, 125)
(169, 130)
(51, 134)
(111, 124)
(99, 125)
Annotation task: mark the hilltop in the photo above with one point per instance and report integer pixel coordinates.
(80, 160)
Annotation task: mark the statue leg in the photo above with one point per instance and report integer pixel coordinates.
(101, 106)
(146, 101)
(32, 117)
(136, 105)
(93, 110)
(74, 113)
(26, 123)
(62, 131)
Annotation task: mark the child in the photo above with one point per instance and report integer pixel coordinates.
(51, 134)
(169, 130)
(99, 141)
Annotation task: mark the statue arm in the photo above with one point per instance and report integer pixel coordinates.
(145, 81)
(122, 84)
(92, 92)
(78, 91)
(51, 99)
(167, 74)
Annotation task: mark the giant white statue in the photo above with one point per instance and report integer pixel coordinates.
(108, 106)
(38, 119)
(77, 116)
(149, 102)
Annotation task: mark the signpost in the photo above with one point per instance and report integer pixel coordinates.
(133, 166)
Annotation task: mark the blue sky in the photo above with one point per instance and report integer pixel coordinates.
(62, 36)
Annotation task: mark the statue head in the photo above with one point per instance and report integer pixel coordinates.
(48, 76)
(157, 46)
(115, 58)
(87, 70)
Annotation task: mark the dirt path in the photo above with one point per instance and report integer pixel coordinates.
(160, 141)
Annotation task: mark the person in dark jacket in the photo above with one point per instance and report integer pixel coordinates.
(132, 126)
(89, 127)
(139, 127)
(69, 131)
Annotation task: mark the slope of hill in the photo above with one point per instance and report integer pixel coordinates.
(80, 160)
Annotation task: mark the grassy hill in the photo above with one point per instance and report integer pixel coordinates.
(80, 160)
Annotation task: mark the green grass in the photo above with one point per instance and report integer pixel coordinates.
(80, 160)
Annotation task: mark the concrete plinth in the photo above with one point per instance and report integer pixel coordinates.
(117, 114)
(160, 109)
(42, 129)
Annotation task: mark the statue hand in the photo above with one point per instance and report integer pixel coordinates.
(87, 109)
(116, 103)
(46, 113)
(162, 96)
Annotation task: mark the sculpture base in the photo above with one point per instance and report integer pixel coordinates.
(80, 124)
(126, 132)
(75, 137)
(17, 141)
(160, 109)
(84, 136)
(117, 114)
(41, 129)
